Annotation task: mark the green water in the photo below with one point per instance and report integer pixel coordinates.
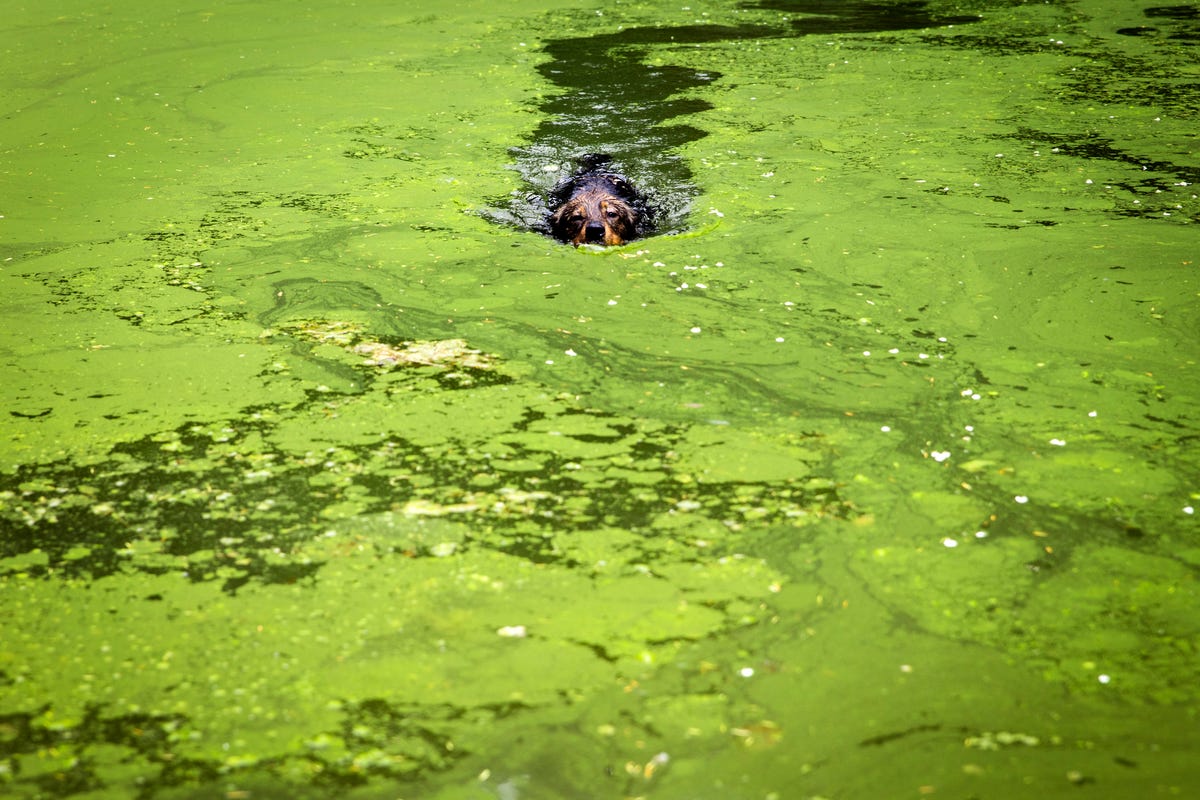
(872, 475)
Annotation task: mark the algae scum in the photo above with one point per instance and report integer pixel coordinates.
(872, 474)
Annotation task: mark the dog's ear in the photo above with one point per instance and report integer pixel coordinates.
(555, 221)
(557, 217)
(560, 222)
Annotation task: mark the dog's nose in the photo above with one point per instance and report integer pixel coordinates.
(594, 232)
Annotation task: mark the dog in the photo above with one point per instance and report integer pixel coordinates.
(598, 207)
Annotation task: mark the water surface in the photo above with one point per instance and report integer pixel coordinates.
(872, 475)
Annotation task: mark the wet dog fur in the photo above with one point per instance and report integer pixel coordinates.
(595, 206)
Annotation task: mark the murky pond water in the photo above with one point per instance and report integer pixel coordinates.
(872, 474)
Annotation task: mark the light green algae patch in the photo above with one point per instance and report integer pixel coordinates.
(238, 674)
(1127, 623)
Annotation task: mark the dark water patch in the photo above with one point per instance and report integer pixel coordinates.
(1104, 76)
(1000, 43)
(1138, 30)
(1174, 12)
(1153, 188)
(1091, 146)
(226, 502)
(824, 17)
(610, 100)
(144, 739)
(146, 508)
(371, 739)
(1100, 71)
(1176, 23)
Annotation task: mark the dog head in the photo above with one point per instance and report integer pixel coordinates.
(599, 210)
(597, 206)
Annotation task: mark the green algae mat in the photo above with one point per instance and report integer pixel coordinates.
(873, 473)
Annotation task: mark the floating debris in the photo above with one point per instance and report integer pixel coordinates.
(420, 352)
(442, 352)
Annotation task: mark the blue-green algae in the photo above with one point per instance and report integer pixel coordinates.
(871, 474)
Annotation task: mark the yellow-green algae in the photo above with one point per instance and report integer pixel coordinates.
(878, 477)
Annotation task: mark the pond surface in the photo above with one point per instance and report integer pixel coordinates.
(872, 474)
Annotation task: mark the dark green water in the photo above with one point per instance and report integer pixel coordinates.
(872, 475)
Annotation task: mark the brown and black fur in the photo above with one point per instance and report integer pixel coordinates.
(595, 206)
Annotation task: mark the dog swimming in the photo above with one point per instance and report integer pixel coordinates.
(597, 206)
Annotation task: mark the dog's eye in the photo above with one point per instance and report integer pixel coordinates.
(613, 215)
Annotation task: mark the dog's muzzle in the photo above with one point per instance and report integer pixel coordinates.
(594, 233)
